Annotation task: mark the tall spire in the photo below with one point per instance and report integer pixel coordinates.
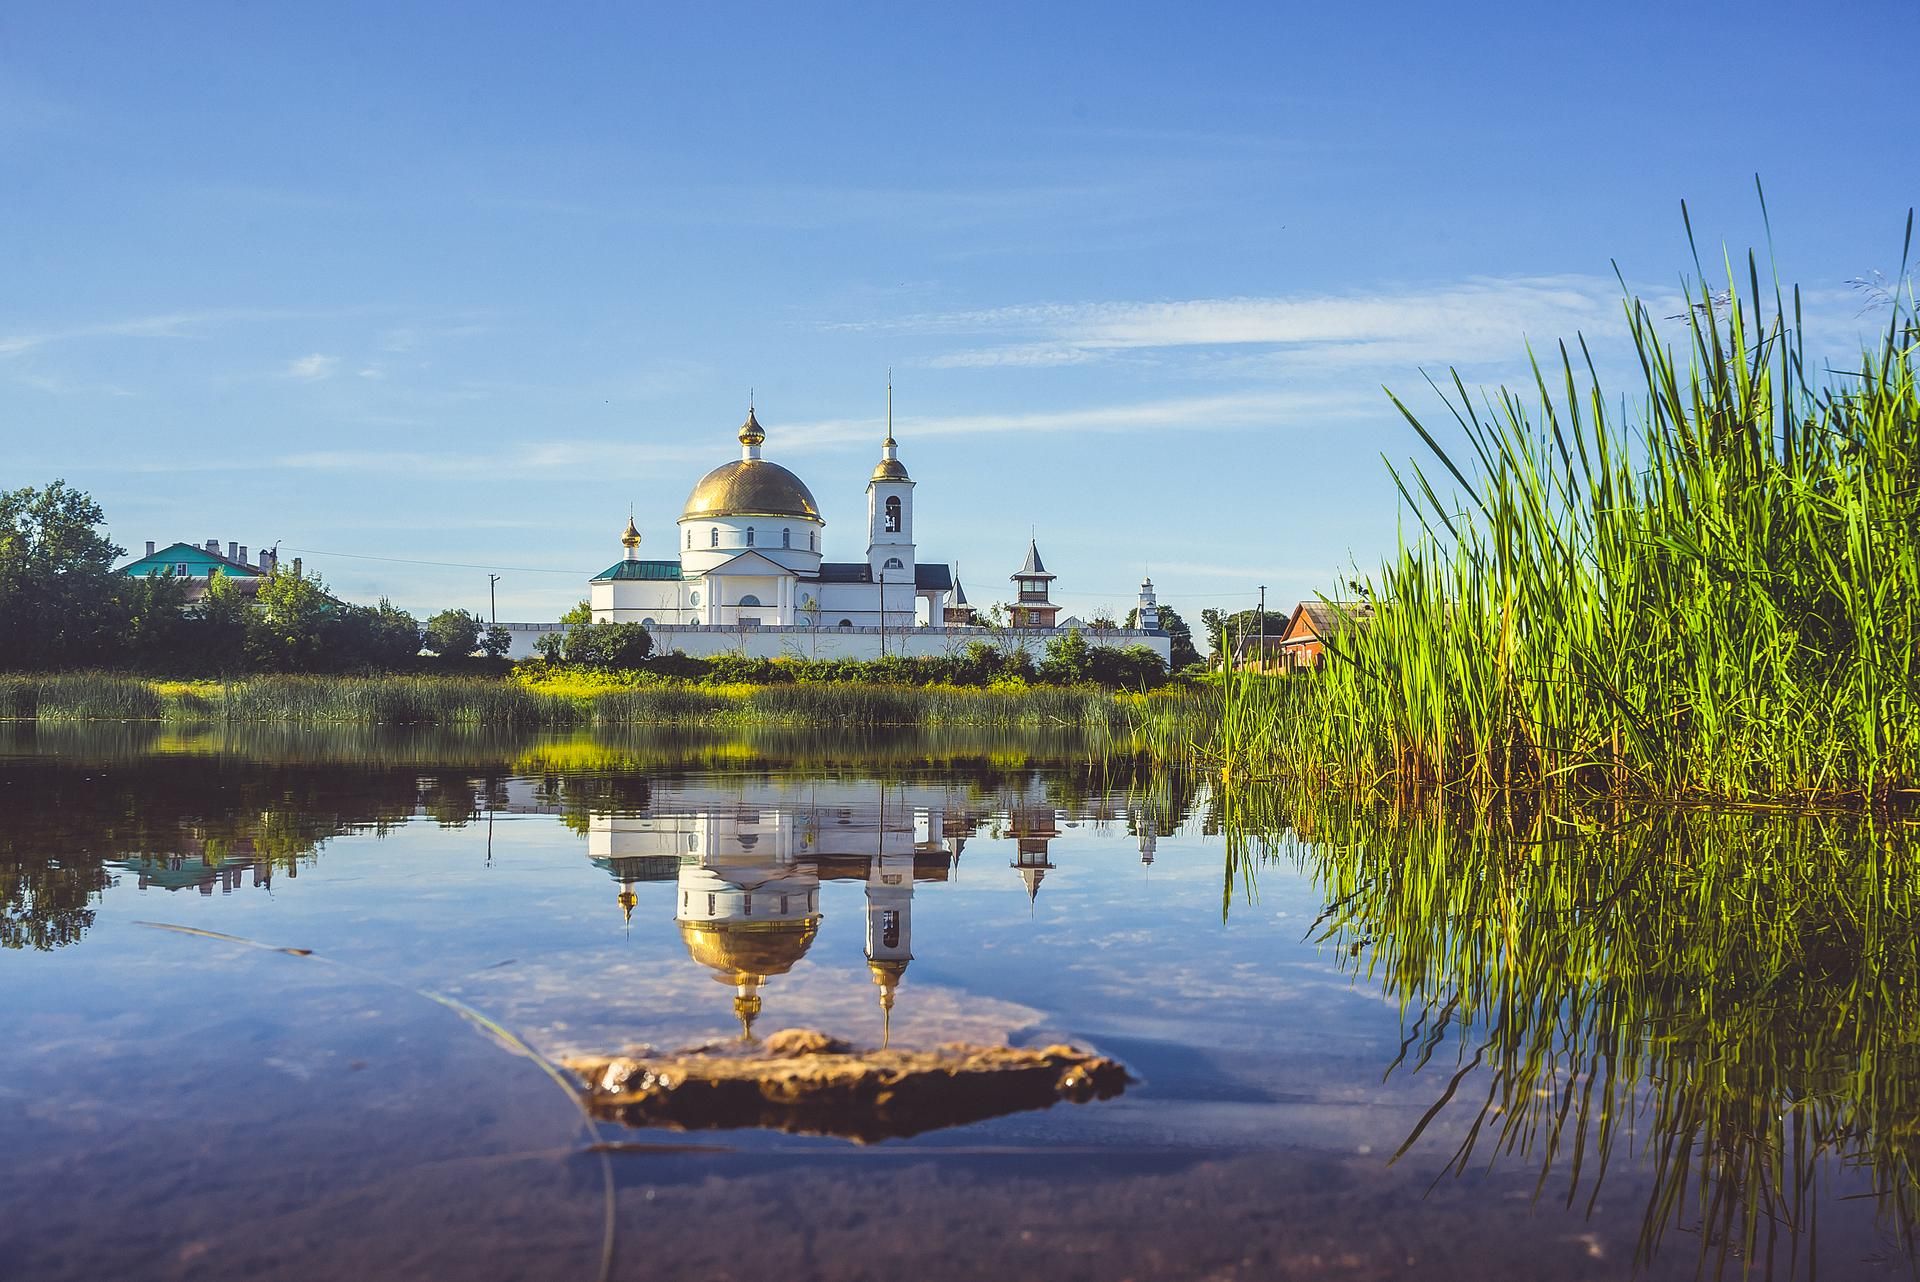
(889, 468)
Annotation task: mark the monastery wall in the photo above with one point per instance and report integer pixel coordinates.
(865, 643)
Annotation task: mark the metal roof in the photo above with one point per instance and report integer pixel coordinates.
(645, 570)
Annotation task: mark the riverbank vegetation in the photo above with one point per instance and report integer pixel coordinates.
(546, 699)
(1716, 598)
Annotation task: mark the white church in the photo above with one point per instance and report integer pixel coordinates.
(751, 576)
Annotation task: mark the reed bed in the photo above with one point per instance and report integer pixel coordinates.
(78, 696)
(1111, 720)
(1726, 996)
(1718, 598)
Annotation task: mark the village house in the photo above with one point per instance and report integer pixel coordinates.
(196, 565)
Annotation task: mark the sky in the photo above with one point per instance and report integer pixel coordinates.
(423, 292)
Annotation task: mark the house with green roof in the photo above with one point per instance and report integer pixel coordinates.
(196, 564)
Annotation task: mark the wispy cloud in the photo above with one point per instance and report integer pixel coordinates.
(167, 325)
(1275, 408)
(1232, 412)
(1471, 320)
(312, 368)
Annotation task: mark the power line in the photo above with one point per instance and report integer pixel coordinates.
(452, 565)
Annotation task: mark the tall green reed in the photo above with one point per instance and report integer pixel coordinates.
(1717, 597)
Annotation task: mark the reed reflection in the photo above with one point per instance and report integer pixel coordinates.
(1730, 1001)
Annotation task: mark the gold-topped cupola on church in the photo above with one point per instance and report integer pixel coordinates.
(750, 571)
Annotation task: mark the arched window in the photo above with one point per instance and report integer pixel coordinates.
(811, 536)
(893, 514)
(716, 537)
(750, 600)
(894, 563)
(786, 538)
(749, 536)
(689, 538)
(846, 623)
(647, 624)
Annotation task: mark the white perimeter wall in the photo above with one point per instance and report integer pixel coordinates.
(865, 643)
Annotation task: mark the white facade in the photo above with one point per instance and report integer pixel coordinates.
(749, 575)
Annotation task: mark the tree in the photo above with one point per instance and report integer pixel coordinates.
(59, 599)
(160, 635)
(453, 634)
(496, 641)
(608, 645)
(1133, 667)
(382, 636)
(552, 646)
(1068, 660)
(220, 621)
(287, 631)
(1178, 633)
(1223, 628)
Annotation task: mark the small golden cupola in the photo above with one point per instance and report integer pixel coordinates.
(752, 435)
(630, 538)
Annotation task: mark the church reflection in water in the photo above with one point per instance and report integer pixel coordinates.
(748, 863)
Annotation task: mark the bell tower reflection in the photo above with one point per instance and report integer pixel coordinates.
(889, 928)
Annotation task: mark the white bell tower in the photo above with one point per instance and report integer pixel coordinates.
(890, 514)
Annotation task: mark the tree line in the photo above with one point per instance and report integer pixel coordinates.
(62, 605)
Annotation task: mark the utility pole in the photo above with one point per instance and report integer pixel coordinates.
(1261, 618)
(493, 608)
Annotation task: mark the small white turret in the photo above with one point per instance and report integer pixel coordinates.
(1149, 608)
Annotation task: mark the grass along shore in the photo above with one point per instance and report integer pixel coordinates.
(1717, 600)
(583, 700)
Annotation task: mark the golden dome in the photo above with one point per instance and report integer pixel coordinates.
(739, 948)
(631, 538)
(750, 487)
(890, 469)
(751, 433)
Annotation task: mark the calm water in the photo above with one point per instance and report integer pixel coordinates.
(1338, 1075)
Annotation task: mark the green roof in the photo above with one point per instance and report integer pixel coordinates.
(655, 571)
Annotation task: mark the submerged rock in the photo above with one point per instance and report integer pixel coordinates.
(808, 1083)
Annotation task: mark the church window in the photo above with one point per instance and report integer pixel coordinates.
(716, 537)
(710, 905)
(811, 536)
(689, 538)
(647, 624)
(749, 536)
(746, 904)
(693, 598)
(890, 928)
(894, 563)
(846, 623)
(783, 905)
(893, 514)
(749, 600)
(786, 538)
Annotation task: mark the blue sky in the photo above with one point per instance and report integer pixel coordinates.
(459, 283)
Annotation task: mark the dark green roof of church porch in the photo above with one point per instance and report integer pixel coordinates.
(654, 571)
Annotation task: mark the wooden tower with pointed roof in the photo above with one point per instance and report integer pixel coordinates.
(1031, 608)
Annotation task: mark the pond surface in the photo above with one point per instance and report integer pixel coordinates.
(270, 1000)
